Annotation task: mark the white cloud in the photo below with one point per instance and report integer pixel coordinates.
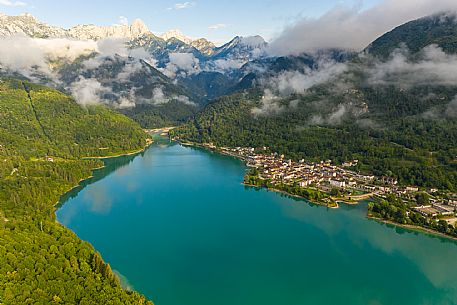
(296, 82)
(270, 105)
(123, 20)
(12, 3)
(159, 97)
(182, 63)
(218, 26)
(182, 6)
(32, 55)
(224, 65)
(433, 67)
(111, 47)
(59, 48)
(451, 109)
(352, 27)
(23, 55)
(125, 103)
(87, 91)
(287, 83)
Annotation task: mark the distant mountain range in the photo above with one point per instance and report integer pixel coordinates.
(393, 106)
(139, 35)
(170, 67)
(180, 75)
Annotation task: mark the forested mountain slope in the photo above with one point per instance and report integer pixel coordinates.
(439, 29)
(392, 132)
(43, 135)
(393, 107)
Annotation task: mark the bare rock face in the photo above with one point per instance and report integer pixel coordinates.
(129, 32)
(28, 25)
(204, 46)
(176, 34)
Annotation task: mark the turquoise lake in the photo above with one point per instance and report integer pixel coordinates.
(178, 226)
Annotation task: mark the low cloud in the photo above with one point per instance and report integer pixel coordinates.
(112, 47)
(433, 67)
(271, 105)
(285, 84)
(181, 64)
(158, 96)
(107, 71)
(353, 28)
(451, 109)
(334, 118)
(298, 82)
(185, 100)
(30, 56)
(23, 55)
(224, 65)
(87, 91)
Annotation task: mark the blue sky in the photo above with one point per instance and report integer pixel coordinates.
(218, 20)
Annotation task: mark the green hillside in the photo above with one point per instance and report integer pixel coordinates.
(43, 135)
(391, 138)
(439, 29)
(406, 131)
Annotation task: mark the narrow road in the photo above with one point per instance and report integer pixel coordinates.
(357, 197)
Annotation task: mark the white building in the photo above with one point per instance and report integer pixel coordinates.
(337, 183)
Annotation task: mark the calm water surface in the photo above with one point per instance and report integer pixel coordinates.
(178, 226)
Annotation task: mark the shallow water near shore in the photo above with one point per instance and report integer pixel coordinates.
(178, 226)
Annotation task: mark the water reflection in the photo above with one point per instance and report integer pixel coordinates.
(433, 255)
(177, 223)
(110, 166)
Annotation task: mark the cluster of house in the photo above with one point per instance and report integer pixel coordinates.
(323, 174)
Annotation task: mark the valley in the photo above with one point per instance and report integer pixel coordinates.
(89, 108)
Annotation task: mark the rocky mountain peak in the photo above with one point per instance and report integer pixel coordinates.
(176, 34)
(138, 28)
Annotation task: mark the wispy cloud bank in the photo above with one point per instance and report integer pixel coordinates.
(285, 84)
(433, 67)
(104, 73)
(123, 20)
(182, 6)
(181, 64)
(451, 109)
(353, 28)
(12, 3)
(218, 26)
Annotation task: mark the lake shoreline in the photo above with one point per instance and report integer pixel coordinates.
(413, 228)
(221, 152)
(136, 152)
(102, 167)
(410, 227)
(81, 181)
(275, 190)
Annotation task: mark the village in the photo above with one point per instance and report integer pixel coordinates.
(351, 186)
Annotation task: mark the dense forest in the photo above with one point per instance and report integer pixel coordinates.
(383, 127)
(172, 113)
(43, 136)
